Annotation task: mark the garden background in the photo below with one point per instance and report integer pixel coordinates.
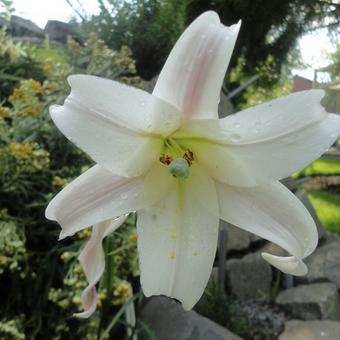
(40, 278)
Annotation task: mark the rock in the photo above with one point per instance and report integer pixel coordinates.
(237, 239)
(59, 31)
(23, 28)
(302, 196)
(331, 237)
(264, 321)
(169, 321)
(310, 302)
(311, 330)
(292, 183)
(323, 265)
(249, 277)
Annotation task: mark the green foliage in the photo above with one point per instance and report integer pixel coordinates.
(334, 68)
(327, 208)
(98, 59)
(12, 329)
(41, 279)
(322, 166)
(15, 65)
(259, 92)
(270, 27)
(6, 8)
(222, 309)
(148, 27)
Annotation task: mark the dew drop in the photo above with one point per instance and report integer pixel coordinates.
(235, 136)
(123, 196)
(237, 125)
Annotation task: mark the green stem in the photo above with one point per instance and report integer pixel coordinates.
(118, 315)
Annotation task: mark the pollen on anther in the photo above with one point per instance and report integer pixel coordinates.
(165, 159)
(189, 157)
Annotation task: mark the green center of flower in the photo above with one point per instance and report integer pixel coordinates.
(179, 168)
(177, 158)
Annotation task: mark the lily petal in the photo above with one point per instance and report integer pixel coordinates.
(177, 240)
(192, 76)
(92, 259)
(98, 195)
(274, 213)
(117, 125)
(267, 147)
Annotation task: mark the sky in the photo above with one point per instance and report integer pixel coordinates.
(313, 47)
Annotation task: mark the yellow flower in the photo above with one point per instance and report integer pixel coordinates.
(3, 260)
(84, 234)
(122, 293)
(133, 237)
(50, 86)
(33, 85)
(100, 299)
(41, 159)
(18, 94)
(59, 182)
(4, 112)
(19, 150)
(31, 111)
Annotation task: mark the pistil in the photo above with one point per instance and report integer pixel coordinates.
(177, 158)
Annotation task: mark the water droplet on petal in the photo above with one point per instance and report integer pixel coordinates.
(237, 125)
(124, 196)
(235, 136)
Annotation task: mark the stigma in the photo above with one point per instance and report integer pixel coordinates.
(179, 168)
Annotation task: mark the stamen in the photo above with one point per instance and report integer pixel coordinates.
(177, 158)
(165, 159)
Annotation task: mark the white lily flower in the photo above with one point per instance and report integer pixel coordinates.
(168, 157)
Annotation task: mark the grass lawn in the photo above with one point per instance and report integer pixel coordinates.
(327, 206)
(322, 166)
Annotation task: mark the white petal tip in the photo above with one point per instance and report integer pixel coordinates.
(289, 265)
(83, 315)
(54, 108)
(238, 24)
(63, 235)
(187, 306)
(50, 213)
(75, 77)
(209, 14)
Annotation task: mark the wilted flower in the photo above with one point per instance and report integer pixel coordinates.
(168, 157)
